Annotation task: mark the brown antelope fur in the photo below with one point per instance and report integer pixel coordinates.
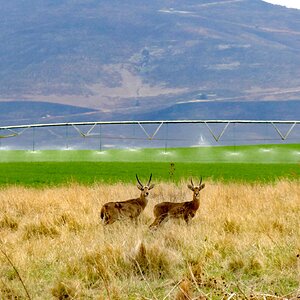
(186, 210)
(132, 208)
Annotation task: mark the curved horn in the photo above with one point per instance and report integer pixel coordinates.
(192, 182)
(200, 181)
(149, 180)
(138, 180)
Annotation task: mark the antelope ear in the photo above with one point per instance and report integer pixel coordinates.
(190, 187)
(140, 187)
(151, 186)
(202, 186)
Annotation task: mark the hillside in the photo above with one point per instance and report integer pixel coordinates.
(128, 59)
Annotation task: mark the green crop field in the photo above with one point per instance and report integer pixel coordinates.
(57, 173)
(240, 164)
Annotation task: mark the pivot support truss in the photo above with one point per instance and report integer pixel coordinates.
(17, 130)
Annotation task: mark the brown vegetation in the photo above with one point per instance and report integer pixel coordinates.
(244, 243)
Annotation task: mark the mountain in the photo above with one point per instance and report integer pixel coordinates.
(28, 112)
(115, 59)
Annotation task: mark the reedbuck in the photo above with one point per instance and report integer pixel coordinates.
(132, 208)
(186, 210)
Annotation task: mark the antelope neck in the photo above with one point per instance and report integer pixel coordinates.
(143, 201)
(196, 198)
(196, 201)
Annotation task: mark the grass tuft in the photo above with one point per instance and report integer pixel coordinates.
(231, 226)
(39, 229)
(65, 290)
(236, 264)
(69, 220)
(9, 293)
(8, 221)
(184, 290)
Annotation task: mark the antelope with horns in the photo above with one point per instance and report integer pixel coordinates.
(132, 208)
(186, 210)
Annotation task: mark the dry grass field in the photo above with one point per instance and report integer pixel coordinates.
(244, 243)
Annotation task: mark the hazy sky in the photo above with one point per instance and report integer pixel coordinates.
(287, 3)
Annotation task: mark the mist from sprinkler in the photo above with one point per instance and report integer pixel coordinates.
(234, 153)
(133, 149)
(266, 150)
(34, 151)
(5, 148)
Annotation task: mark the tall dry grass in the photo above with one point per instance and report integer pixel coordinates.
(242, 244)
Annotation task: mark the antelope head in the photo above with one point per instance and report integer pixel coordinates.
(196, 189)
(144, 188)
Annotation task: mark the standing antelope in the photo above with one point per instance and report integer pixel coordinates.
(132, 208)
(186, 210)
